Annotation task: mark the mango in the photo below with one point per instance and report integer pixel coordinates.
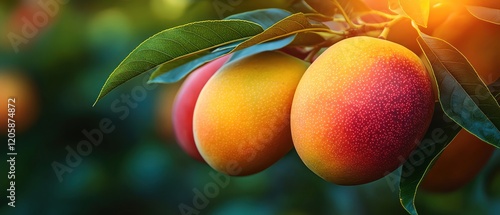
(184, 104)
(458, 164)
(241, 121)
(360, 109)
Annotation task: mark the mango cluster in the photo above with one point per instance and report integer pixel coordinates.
(353, 115)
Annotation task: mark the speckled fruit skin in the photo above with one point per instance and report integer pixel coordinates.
(459, 163)
(360, 109)
(185, 101)
(242, 118)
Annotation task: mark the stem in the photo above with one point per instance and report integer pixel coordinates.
(344, 14)
(384, 33)
(311, 54)
(379, 13)
(382, 25)
(387, 28)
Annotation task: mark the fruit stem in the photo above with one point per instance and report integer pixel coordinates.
(310, 56)
(384, 33)
(379, 13)
(317, 48)
(383, 25)
(344, 14)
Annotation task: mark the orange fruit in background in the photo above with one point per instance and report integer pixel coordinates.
(20, 87)
(459, 163)
(466, 155)
(360, 109)
(483, 3)
(403, 32)
(476, 40)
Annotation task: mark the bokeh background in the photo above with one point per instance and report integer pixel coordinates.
(138, 168)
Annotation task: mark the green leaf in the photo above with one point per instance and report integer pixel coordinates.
(262, 47)
(417, 10)
(486, 14)
(307, 39)
(495, 88)
(462, 94)
(327, 8)
(291, 25)
(172, 75)
(179, 45)
(173, 72)
(440, 133)
(264, 17)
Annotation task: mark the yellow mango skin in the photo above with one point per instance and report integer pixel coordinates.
(241, 121)
(360, 109)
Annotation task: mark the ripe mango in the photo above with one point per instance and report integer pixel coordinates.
(241, 121)
(360, 109)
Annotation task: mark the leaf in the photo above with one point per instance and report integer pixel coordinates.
(417, 10)
(262, 47)
(495, 88)
(170, 73)
(353, 7)
(176, 71)
(329, 8)
(440, 133)
(178, 45)
(307, 39)
(486, 14)
(462, 94)
(264, 17)
(293, 24)
(395, 7)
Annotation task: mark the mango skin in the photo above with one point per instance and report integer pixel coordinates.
(459, 163)
(480, 46)
(184, 104)
(241, 120)
(360, 109)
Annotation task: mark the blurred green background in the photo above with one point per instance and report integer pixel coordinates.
(138, 168)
